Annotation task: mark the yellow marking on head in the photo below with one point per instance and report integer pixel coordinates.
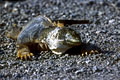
(58, 24)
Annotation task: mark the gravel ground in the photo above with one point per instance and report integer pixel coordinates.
(103, 32)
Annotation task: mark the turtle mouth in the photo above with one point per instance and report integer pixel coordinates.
(74, 42)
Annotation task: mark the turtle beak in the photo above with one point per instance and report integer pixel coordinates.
(74, 41)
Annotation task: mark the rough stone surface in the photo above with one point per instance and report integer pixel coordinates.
(103, 32)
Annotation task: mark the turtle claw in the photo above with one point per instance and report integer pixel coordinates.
(96, 51)
(82, 54)
(24, 55)
(89, 52)
(93, 51)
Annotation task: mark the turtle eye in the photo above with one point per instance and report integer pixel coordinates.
(68, 36)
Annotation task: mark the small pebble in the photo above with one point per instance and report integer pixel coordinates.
(111, 21)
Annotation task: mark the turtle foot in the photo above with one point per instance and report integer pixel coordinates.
(24, 55)
(85, 53)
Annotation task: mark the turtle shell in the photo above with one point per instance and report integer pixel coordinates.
(33, 29)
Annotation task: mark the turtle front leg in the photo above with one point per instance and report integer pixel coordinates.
(87, 48)
(24, 52)
(87, 52)
(84, 49)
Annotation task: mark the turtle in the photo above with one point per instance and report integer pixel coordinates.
(44, 34)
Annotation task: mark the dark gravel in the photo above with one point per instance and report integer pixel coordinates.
(103, 32)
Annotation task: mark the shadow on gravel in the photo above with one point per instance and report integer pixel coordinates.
(77, 50)
(84, 47)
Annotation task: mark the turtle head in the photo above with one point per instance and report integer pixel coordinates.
(59, 40)
(70, 36)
